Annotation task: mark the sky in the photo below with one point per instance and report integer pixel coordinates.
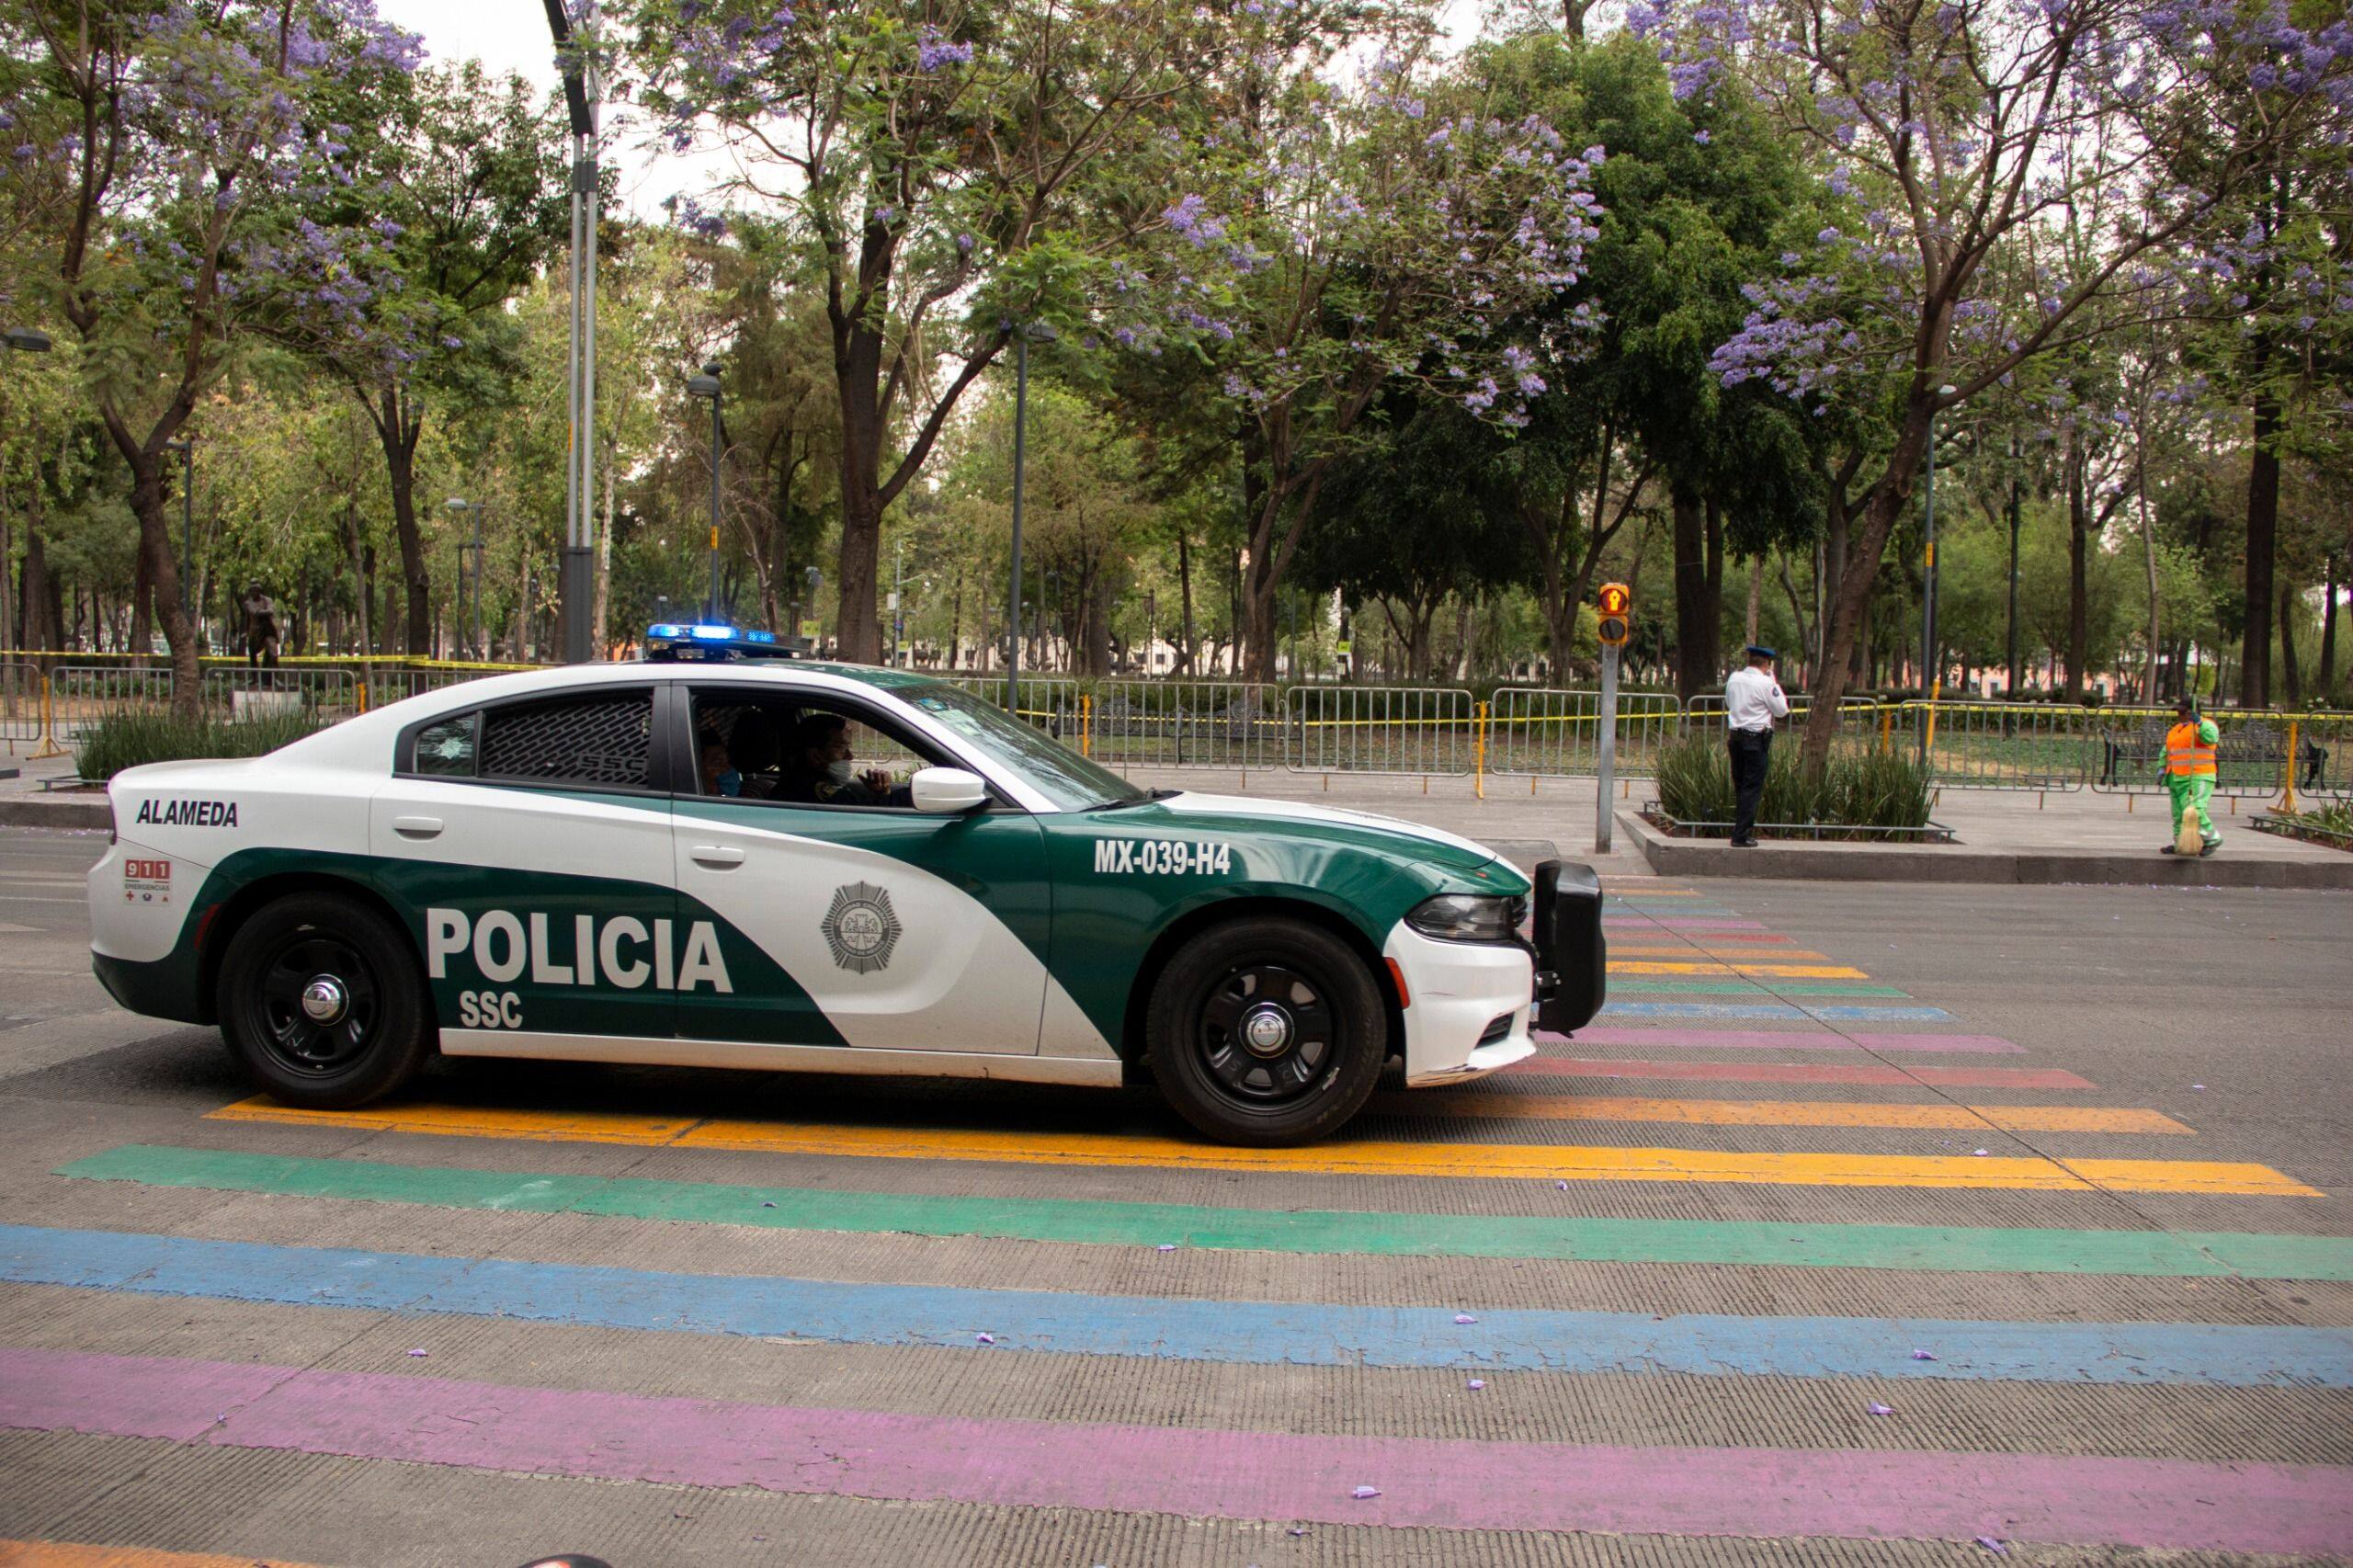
(512, 35)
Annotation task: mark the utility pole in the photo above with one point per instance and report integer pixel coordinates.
(707, 385)
(2013, 691)
(583, 90)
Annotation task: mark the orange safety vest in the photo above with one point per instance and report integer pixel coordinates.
(2186, 754)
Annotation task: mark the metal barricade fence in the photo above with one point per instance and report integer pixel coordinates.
(2126, 755)
(1231, 725)
(20, 702)
(1049, 702)
(327, 695)
(2001, 745)
(1539, 732)
(1382, 729)
(80, 694)
(2324, 757)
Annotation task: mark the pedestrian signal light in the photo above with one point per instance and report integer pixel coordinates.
(1616, 614)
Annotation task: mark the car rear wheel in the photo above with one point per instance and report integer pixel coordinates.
(1266, 1032)
(321, 1001)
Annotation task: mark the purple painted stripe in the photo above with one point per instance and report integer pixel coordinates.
(1789, 1040)
(1440, 1483)
(1684, 922)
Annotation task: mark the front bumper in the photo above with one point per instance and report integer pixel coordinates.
(1469, 1005)
(1573, 955)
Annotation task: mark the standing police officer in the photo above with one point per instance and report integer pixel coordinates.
(2189, 772)
(1752, 700)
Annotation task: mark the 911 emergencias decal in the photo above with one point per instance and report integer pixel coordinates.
(1163, 856)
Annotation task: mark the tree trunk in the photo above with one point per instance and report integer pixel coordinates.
(2327, 685)
(163, 575)
(1888, 498)
(142, 636)
(39, 622)
(1695, 668)
(358, 547)
(1185, 596)
(2291, 677)
(398, 433)
(1797, 617)
(1756, 598)
(2262, 542)
(1098, 621)
(2079, 512)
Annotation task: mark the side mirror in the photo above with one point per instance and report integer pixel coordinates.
(948, 790)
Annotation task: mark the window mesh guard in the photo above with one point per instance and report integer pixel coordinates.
(602, 741)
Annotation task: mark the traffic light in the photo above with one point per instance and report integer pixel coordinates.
(1616, 614)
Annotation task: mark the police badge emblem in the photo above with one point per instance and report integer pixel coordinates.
(861, 927)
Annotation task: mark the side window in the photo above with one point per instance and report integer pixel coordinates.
(446, 750)
(603, 740)
(807, 753)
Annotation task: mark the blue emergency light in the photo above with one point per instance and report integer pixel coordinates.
(672, 640)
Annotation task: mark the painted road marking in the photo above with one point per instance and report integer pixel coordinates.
(1760, 955)
(2010, 1250)
(1826, 1013)
(1780, 1113)
(1736, 987)
(1793, 1039)
(1324, 1333)
(1198, 1473)
(1683, 922)
(1763, 970)
(1337, 1157)
(75, 1554)
(1803, 1072)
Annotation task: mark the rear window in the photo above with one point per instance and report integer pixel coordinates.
(601, 741)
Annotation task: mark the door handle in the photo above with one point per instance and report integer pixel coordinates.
(418, 827)
(718, 857)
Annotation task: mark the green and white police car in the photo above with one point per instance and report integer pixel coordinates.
(654, 862)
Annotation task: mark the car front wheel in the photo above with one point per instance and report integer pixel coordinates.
(1266, 1032)
(321, 1003)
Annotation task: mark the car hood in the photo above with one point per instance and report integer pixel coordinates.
(1430, 846)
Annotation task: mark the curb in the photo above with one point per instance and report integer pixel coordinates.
(20, 810)
(1907, 863)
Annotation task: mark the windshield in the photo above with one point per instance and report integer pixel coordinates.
(1055, 771)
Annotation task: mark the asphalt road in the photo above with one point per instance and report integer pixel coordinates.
(1870, 1221)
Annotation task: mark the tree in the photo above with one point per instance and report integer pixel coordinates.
(942, 171)
(1960, 130)
(198, 134)
(454, 200)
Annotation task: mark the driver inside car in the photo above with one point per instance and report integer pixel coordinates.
(823, 772)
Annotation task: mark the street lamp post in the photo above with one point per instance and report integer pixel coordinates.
(898, 600)
(1929, 686)
(707, 385)
(459, 504)
(1022, 335)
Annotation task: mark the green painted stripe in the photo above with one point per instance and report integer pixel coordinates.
(1733, 985)
(2156, 1254)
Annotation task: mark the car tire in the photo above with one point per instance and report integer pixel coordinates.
(322, 1001)
(1266, 1032)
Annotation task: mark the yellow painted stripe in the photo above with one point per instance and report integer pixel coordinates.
(1751, 971)
(72, 1555)
(1781, 1113)
(1339, 1157)
(1710, 949)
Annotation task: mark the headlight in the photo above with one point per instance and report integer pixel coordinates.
(1467, 918)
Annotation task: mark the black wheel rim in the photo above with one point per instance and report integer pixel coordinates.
(1267, 1035)
(314, 1007)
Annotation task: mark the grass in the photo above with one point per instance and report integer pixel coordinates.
(129, 740)
(1858, 788)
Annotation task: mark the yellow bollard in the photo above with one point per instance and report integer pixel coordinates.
(1479, 752)
(2288, 783)
(1085, 726)
(49, 747)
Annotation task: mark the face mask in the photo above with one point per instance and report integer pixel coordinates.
(730, 782)
(837, 772)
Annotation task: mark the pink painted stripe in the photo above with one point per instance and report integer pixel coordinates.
(1787, 1040)
(1803, 1072)
(1445, 1485)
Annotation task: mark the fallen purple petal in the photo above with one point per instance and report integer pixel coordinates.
(1562, 1185)
(985, 1338)
(1922, 1356)
(1464, 1317)
(1876, 1408)
(1361, 1492)
(1166, 1246)
(1478, 1382)
(1977, 1151)
(417, 1352)
(1995, 1547)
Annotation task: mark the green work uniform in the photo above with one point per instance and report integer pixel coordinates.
(2192, 790)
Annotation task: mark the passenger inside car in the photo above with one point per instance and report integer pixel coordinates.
(757, 753)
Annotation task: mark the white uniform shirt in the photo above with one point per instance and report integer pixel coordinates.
(1753, 699)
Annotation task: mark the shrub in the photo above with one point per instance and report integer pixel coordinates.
(128, 740)
(1858, 788)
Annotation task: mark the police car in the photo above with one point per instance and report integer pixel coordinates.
(712, 860)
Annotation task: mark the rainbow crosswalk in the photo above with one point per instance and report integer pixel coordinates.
(1603, 1229)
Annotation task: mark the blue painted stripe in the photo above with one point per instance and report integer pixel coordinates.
(1840, 1012)
(1257, 1333)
